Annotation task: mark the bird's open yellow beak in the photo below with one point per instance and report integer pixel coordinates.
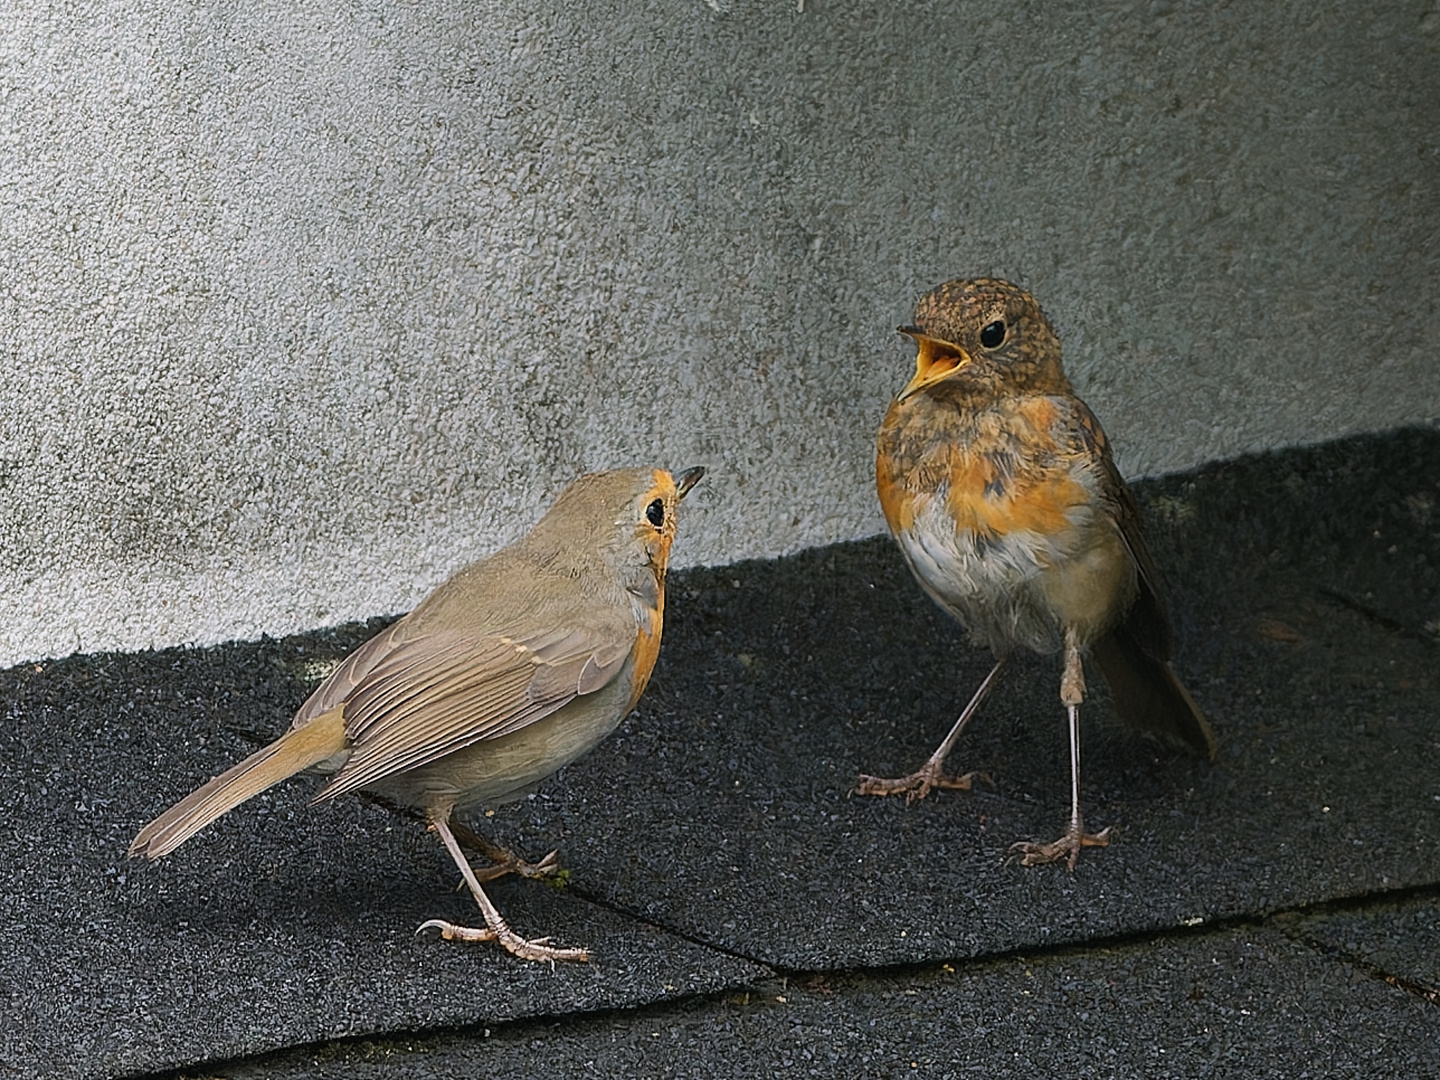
(933, 362)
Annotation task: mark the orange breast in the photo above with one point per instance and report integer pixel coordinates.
(982, 502)
(982, 497)
(647, 651)
(1001, 470)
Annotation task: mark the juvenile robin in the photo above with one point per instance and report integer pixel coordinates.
(513, 668)
(997, 482)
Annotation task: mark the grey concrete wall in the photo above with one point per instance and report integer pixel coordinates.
(304, 305)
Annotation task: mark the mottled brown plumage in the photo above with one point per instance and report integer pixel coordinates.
(511, 669)
(998, 484)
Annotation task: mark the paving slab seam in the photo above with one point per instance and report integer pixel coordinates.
(581, 893)
(213, 1070)
(1341, 905)
(1294, 926)
(780, 975)
(1274, 918)
(781, 980)
(1389, 623)
(1288, 921)
(1373, 970)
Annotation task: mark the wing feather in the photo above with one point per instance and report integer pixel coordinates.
(417, 700)
(1148, 620)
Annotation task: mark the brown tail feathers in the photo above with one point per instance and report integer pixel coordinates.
(297, 749)
(1149, 697)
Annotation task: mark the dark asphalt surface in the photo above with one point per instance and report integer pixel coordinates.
(1275, 913)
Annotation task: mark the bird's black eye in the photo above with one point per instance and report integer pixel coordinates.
(993, 334)
(656, 513)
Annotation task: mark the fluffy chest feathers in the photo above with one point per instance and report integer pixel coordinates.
(992, 506)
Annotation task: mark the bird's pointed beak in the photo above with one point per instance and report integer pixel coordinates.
(687, 480)
(935, 360)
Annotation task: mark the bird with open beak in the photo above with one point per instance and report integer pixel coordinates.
(998, 484)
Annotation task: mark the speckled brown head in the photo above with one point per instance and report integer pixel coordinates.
(983, 336)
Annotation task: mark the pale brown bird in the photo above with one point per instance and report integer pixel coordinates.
(514, 667)
(998, 483)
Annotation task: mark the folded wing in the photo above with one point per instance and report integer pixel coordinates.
(410, 702)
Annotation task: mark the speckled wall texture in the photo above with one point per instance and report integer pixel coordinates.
(302, 306)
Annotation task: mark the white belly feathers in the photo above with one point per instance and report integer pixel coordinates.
(987, 581)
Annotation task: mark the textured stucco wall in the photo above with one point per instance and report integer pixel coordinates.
(303, 305)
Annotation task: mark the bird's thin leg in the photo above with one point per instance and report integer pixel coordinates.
(930, 775)
(496, 928)
(1072, 693)
(505, 860)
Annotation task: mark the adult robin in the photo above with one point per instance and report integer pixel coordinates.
(511, 669)
(998, 483)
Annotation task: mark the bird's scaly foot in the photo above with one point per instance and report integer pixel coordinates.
(547, 869)
(1067, 847)
(525, 948)
(496, 928)
(918, 784)
(504, 860)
